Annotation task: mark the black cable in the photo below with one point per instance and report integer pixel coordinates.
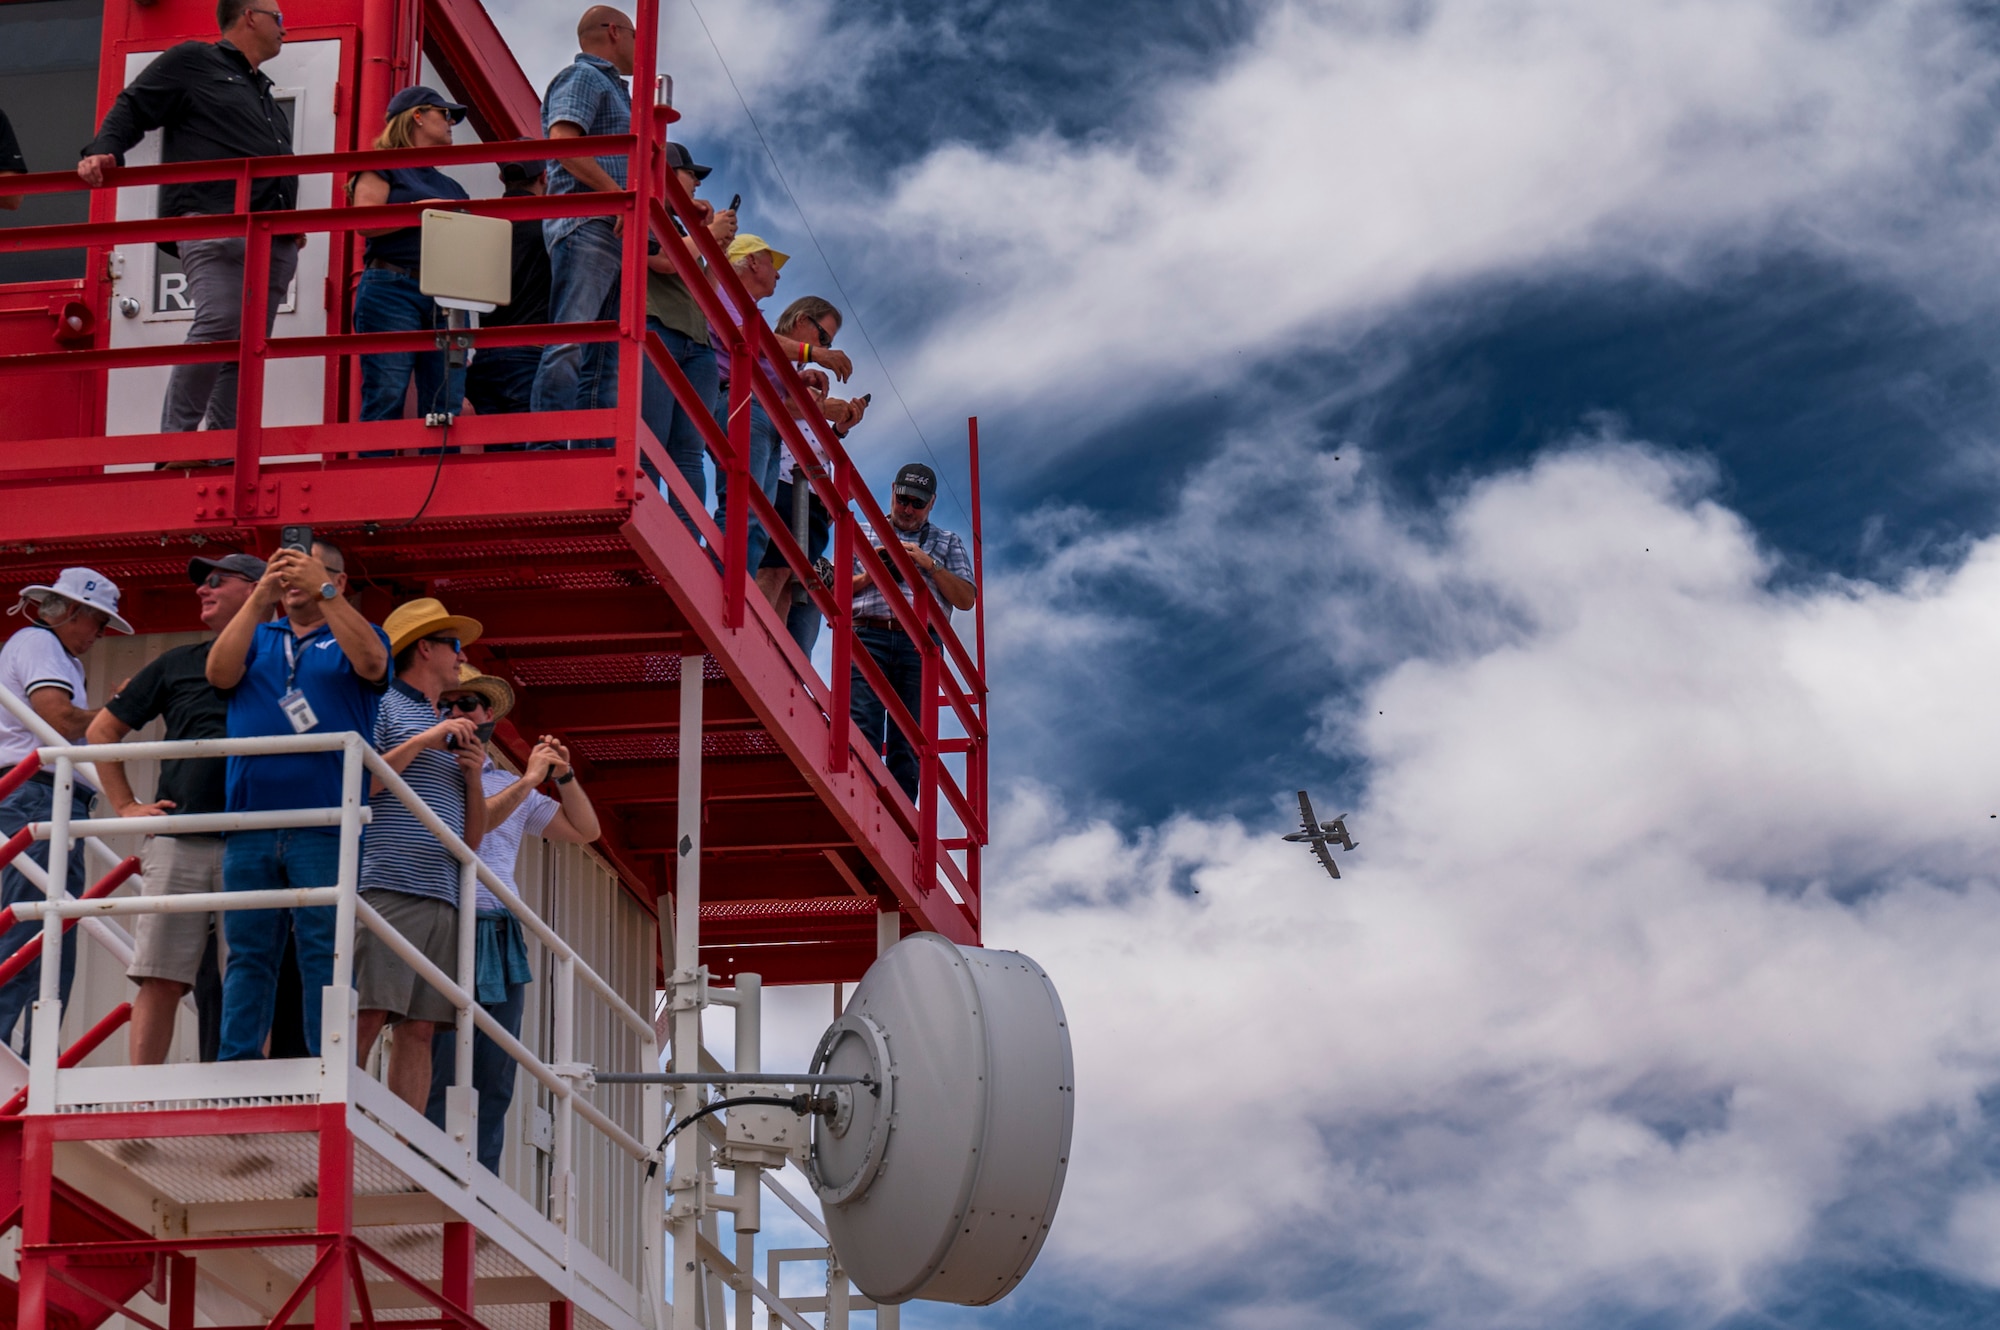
(798, 1103)
(443, 439)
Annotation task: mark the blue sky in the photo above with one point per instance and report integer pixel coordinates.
(1560, 434)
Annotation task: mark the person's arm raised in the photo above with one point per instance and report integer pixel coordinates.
(366, 651)
(227, 658)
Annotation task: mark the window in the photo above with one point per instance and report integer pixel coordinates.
(48, 88)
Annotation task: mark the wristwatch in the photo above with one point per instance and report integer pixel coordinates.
(566, 777)
(327, 591)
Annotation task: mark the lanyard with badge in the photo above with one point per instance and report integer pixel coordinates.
(297, 710)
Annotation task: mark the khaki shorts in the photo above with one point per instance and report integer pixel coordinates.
(169, 946)
(386, 982)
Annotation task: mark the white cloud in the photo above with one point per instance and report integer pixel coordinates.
(1672, 891)
(1354, 156)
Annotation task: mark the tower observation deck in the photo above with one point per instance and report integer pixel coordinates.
(743, 816)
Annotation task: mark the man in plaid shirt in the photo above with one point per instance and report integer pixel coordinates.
(940, 556)
(589, 97)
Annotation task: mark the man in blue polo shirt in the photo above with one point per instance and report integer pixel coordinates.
(407, 875)
(320, 669)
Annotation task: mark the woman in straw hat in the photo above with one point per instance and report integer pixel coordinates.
(515, 810)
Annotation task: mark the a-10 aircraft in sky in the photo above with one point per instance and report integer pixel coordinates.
(1317, 834)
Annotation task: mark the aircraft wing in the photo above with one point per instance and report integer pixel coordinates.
(1319, 848)
(1306, 813)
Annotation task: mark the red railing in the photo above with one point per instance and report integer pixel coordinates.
(952, 678)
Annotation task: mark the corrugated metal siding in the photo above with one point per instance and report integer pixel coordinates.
(568, 886)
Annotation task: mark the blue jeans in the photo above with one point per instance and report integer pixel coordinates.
(501, 382)
(764, 461)
(583, 288)
(34, 802)
(391, 302)
(673, 427)
(271, 861)
(802, 619)
(900, 662)
(492, 1074)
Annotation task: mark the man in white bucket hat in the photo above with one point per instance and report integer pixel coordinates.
(42, 665)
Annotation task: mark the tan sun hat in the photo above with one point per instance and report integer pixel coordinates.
(426, 617)
(499, 694)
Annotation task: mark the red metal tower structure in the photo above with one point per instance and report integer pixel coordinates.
(591, 589)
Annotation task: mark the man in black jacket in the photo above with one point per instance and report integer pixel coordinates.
(502, 377)
(213, 104)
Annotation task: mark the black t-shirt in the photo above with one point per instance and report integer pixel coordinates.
(176, 686)
(531, 277)
(10, 148)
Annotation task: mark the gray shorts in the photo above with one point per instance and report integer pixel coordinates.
(386, 982)
(169, 946)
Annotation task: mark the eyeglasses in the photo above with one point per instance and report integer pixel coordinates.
(445, 111)
(467, 704)
(825, 337)
(214, 580)
(451, 642)
(277, 16)
(912, 501)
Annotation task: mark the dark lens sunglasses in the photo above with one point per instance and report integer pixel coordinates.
(214, 580)
(451, 642)
(466, 705)
(913, 501)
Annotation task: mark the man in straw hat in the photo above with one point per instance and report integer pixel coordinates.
(172, 950)
(515, 810)
(319, 668)
(407, 875)
(42, 664)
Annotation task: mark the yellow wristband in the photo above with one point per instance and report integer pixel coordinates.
(805, 353)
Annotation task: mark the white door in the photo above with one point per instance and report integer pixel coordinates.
(149, 306)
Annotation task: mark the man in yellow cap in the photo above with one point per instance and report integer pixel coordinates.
(407, 875)
(515, 810)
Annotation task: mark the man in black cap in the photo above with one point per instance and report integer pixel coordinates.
(940, 556)
(213, 101)
(171, 948)
(502, 378)
(674, 317)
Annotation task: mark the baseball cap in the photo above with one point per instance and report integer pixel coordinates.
(917, 481)
(521, 173)
(243, 565)
(423, 96)
(85, 586)
(679, 160)
(746, 244)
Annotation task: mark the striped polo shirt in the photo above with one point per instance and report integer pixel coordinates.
(397, 853)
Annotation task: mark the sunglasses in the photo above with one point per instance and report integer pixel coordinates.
(912, 501)
(214, 580)
(466, 705)
(451, 642)
(825, 337)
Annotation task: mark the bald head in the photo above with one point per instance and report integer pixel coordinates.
(608, 34)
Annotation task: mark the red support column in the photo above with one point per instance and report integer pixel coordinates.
(336, 1213)
(562, 1316)
(180, 1292)
(37, 1195)
(458, 1249)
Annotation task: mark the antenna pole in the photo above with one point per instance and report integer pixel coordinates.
(684, 1193)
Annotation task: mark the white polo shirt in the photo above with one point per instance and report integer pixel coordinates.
(35, 658)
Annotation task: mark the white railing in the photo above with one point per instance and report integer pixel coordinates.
(562, 1076)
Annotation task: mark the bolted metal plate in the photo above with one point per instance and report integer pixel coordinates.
(944, 1186)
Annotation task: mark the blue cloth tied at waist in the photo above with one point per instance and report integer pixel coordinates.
(502, 957)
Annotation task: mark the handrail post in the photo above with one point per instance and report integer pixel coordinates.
(842, 626)
(562, 1185)
(931, 661)
(252, 340)
(736, 515)
(338, 1003)
(45, 1020)
(462, 1099)
(686, 991)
